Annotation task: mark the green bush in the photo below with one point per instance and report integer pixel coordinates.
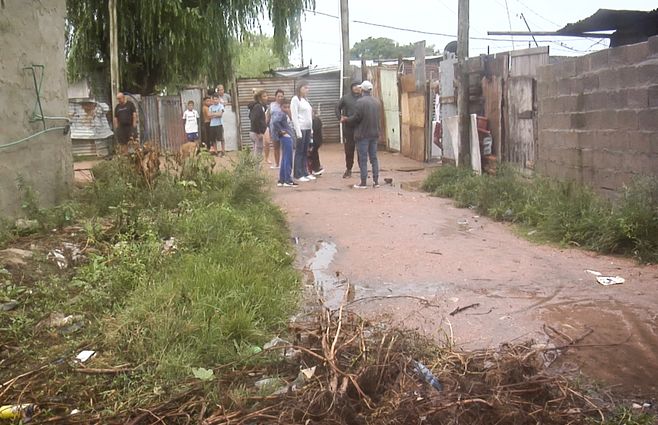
(563, 212)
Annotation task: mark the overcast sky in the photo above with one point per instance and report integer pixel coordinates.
(321, 33)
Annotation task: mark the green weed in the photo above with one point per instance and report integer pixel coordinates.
(562, 212)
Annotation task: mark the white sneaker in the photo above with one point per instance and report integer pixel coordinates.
(319, 172)
(279, 184)
(303, 179)
(358, 186)
(311, 177)
(273, 167)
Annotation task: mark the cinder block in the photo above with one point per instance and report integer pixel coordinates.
(578, 120)
(640, 142)
(652, 95)
(635, 53)
(599, 60)
(566, 68)
(600, 120)
(627, 119)
(653, 45)
(565, 86)
(639, 98)
(648, 119)
(590, 82)
(629, 77)
(608, 79)
(583, 65)
(646, 73)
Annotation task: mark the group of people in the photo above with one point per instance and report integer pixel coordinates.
(294, 129)
(213, 122)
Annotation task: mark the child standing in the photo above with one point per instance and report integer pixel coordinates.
(191, 119)
(216, 111)
(281, 128)
(316, 141)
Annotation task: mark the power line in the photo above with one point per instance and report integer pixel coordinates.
(537, 14)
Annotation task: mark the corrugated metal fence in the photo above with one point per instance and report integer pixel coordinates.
(162, 118)
(324, 94)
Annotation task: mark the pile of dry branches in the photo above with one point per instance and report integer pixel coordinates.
(365, 374)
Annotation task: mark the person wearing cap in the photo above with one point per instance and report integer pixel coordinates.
(345, 107)
(366, 121)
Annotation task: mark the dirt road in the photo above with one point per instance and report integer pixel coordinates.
(415, 259)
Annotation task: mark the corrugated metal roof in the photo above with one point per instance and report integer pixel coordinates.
(150, 120)
(89, 120)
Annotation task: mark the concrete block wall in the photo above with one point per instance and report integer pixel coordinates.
(598, 117)
(32, 32)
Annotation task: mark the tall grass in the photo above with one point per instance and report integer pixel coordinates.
(229, 284)
(563, 212)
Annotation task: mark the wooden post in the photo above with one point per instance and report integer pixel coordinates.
(463, 95)
(114, 53)
(345, 43)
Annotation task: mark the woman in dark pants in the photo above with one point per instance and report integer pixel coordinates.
(302, 118)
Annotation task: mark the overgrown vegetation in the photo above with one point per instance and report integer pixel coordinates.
(194, 273)
(562, 212)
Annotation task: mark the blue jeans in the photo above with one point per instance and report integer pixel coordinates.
(301, 154)
(286, 160)
(368, 148)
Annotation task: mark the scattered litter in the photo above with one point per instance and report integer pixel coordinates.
(594, 272)
(18, 411)
(295, 240)
(460, 309)
(268, 383)
(303, 377)
(9, 305)
(84, 355)
(23, 225)
(532, 232)
(59, 258)
(65, 324)
(427, 375)
(463, 224)
(69, 253)
(645, 405)
(276, 342)
(434, 252)
(610, 280)
(203, 373)
(169, 246)
(508, 213)
(75, 412)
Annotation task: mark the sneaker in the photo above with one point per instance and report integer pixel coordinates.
(319, 172)
(304, 179)
(274, 167)
(291, 184)
(347, 174)
(375, 185)
(279, 184)
(311, 177)
(360, 186)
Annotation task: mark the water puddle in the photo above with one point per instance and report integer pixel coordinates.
(328, 285)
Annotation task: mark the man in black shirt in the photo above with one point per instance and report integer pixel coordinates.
(125, 122)
(346, 107)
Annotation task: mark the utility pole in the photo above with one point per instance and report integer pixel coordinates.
(114, 53)
(463, 95)
(345, 43)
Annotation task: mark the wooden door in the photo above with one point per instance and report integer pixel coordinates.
(390, 98)
(521, 141)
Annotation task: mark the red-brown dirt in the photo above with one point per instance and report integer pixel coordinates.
(413, 260)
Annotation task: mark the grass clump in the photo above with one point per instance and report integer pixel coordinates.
(563, 212)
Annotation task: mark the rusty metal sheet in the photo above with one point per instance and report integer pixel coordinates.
(150, 119)
(172, 131)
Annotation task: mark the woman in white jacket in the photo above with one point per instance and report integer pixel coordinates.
(302, 119)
